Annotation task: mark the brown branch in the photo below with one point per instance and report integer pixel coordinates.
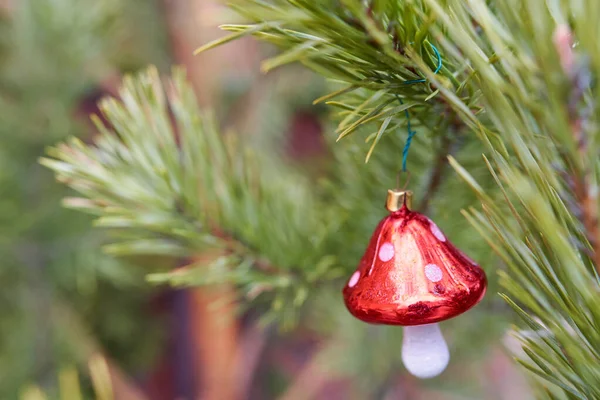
(437, 173)
(585, 195)
(587, 203)
(214, 324)
(6, 6)
(191, 23)
(213, 329)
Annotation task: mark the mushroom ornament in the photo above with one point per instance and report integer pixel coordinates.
(412, 276)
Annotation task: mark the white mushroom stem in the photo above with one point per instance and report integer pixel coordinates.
(424, 351)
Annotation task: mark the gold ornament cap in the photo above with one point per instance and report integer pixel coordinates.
(397, 198)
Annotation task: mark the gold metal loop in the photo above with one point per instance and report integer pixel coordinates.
(398, 198)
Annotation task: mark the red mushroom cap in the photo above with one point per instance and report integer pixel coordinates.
(412, 275)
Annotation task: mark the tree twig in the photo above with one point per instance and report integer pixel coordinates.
(437, 173)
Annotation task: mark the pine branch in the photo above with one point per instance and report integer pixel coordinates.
(179, 188)
(549, 277)
(367, 49)
(578, 112)
(439, 167)
(505, 81)
(502, 79)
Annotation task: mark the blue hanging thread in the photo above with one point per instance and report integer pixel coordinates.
(411, 133)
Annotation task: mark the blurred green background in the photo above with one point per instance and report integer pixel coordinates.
(66, 305)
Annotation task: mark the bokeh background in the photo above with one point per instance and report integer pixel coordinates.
(71, 313)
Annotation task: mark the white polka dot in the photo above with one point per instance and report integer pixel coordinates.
(386, 252)
(354, 279)
(433, 272)
(436, 231)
